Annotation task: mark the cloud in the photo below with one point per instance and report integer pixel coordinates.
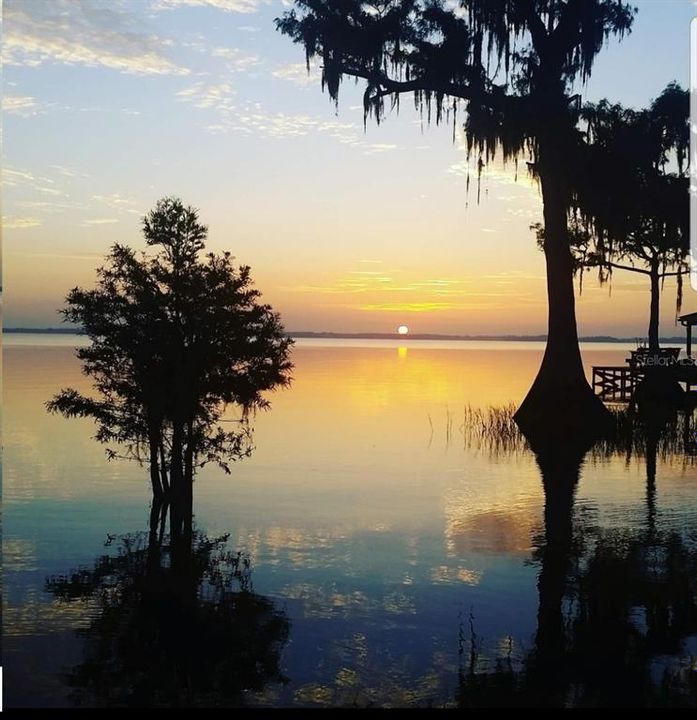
(297, 73)
(410, 306)
(67, 171)
(100, 221)
(23, 105)
(46, 206)
(236, 60)
(59, 256)
(19, 223)
(342, 289)
(235, 6)
(116, 201)
(11, 177)
(515, 176)
(208, 96)
(82, 32)
(253, 119)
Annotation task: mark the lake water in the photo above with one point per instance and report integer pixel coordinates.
(412, 562)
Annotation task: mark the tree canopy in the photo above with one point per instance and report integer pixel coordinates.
(630, 208)
(178, 337)
(499, 58)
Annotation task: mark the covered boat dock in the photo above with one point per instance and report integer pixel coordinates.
(618, 383)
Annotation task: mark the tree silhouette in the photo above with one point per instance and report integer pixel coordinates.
(177, 339)
(511, 65)
(632, 199)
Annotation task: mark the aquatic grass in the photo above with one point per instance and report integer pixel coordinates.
(493, 429)
(642, 436)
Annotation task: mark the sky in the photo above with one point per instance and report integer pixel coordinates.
(109, 106)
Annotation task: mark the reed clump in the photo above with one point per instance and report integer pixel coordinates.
(494, 430)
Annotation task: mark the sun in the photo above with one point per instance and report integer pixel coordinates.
(402, 330)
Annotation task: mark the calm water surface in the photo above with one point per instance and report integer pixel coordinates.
(405, 555)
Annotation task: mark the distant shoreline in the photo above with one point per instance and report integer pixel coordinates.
(384, 336)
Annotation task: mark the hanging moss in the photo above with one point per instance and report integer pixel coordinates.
(444, 55)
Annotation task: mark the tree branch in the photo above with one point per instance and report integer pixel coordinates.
(627, 267)
(391, 87)
(565, 36)
(537, 29)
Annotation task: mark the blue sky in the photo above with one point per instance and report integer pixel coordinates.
(110, 106)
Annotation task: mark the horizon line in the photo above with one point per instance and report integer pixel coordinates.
(308, 334)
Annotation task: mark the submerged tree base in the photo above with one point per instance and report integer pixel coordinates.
(556, 415)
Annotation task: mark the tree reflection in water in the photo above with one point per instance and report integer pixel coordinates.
(175, 624)
(616, 606)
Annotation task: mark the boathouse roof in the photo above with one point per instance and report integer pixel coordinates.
(689, 319)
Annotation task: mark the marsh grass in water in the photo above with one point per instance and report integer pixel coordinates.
(494, 430)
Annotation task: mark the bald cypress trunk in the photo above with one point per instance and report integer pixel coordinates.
(655, 307)
(154, 444)
(163, 469)
(560, 406)
(176, 475)
(188, 480)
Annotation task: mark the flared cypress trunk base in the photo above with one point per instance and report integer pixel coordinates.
(562, 412)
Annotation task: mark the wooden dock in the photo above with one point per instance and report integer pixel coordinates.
(616, 383)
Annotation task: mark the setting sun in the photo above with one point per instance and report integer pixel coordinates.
(403, 330)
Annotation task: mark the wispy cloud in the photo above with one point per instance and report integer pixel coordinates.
(67, 171)
(297, 73)
(57, 256)
(518, 181)
(45, 206)
(203, 95)
(436, 292)
(23, 105)
(410, 306)
(341, 289)
(12, 177)
(19, 223)
(100, 221)
(252, 119)
(236, 60)
(234, 6)
(116, 201)
(82, 32)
